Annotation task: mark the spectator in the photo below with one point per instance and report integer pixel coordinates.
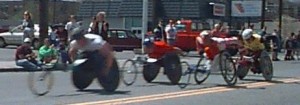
(28, 26)
(25, 57)
(72, 24)
(274, 46)
(53, 37)
(99, 26)
(47, 52)
(159, 31)
(62, 34)
(263, 31)
(217, 31)
(171, 33)
(289, 47)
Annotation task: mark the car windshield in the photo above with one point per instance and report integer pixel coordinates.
(180, 27)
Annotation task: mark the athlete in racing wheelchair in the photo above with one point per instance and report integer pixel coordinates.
(100, 61)
(254, 56)
(166, 55)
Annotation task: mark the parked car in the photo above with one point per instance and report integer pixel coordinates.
(122, 39)
(3, 30)
(15, 37)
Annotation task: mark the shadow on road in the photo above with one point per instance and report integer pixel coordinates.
(94, 91)
(163, 83)
(102, 92)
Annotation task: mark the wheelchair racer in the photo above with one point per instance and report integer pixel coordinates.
(211, 46)
(97, 49)
(253, 46)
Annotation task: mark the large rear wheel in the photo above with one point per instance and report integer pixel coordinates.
(172, 67)
(150, 71)
(111, 81)
(82, 76)
(242, 71)
(266, 66)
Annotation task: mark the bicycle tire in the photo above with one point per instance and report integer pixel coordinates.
(266, 66)
(129, 72)
(228, 69)
(45, 77)
(201, 74)
(186, 74)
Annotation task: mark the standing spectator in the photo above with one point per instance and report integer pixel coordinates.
(289, 47)
(28, 26)
(280, 40)
(171, 33)
(297, 41)
(25, 57)
(159, 31)
(263, 31)
(53, 37)
(72, 24)
(99, 26)
(274, 46)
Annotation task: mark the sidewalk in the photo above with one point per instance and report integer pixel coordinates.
(9, 66)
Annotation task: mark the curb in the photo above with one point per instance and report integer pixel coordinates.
(12, 70)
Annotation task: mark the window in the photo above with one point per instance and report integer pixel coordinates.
(180, 27)
(112, 34)
(122, 34)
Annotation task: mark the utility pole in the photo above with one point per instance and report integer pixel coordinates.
(145, 22)
(54, 12)
(154, 12)
(280, 16)
(43, 9)
(262, 25)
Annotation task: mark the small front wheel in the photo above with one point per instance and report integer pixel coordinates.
(129, 72)
(202, 72)
(40, 82)
(186, 74)
(228, 69)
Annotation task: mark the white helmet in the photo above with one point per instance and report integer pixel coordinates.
(204, 33)
(27, 40)
(247, 33)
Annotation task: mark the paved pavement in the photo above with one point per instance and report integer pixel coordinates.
(10, 66)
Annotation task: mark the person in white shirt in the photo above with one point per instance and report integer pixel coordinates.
(171, 33)
(72, 24)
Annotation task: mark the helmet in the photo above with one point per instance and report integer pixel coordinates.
(204, 33)
(247, 33)
(77, 33)
(27, 40)
(148, 41)
(217, 25)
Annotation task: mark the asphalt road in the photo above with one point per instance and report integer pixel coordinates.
(283, 90)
